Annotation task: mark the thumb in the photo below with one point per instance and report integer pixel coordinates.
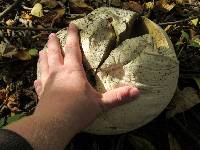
(119, 96)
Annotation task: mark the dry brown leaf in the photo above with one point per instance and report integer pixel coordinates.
(49, 3)
(7, 50)
(81, 4)
(168, 28)
(2, 48)
(26, 16)
(23, 55)
(183, 100)
(3, 94)
(165, 5)
(13, 103)
(133, 6)
(10, 22)
(59, 14)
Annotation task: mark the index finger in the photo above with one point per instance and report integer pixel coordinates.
(72, 47)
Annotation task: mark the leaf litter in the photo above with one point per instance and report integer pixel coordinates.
(24, 29)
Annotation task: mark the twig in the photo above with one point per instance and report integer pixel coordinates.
(179, 21)
(9, 8)
(30, 29)
(180, 52)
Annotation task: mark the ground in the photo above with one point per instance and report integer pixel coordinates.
(24, 30)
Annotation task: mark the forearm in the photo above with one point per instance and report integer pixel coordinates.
(43, 132)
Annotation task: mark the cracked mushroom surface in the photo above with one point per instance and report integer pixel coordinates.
(121, 48)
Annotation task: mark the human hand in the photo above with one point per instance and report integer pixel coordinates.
(64, 91)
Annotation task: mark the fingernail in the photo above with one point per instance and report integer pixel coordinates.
(72, 26)
(40, 53)
(134, 92)
(52, 35)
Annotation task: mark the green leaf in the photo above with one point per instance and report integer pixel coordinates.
(195, 21)
(179, 43)
(194, 44)
(33, 52)
(185, 35)
(11, 119)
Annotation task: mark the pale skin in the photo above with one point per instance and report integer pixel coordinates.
(67, 102)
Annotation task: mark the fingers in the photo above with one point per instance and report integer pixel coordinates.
(38, 87)
(43, 65)
(119, 96)
(72, 48)
(55, 57)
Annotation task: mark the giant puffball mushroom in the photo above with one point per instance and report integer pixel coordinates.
(121, 48)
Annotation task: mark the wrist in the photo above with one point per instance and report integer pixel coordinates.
(56, 121)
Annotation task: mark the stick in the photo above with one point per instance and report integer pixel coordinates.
(179, 21)
(9, 8)
(30, 29)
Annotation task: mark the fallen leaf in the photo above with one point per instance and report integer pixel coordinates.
(194, 44)
(164, 4)
(10, 22)
(23, 55)
(49, 3)
(33, 52)
(116, 3)
(3, 93)
(195, 21)
(185, 35)
(182, 101)
(179, 43)
(168, 28)
(7, 50)
(149, 5)
(26, 16)
(37, 10)
(139, 142)
(133, 6)
(2, 48)
(81, 4)
(59, 14)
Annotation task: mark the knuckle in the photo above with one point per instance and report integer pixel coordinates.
(119, 96)
(53, 72)
(70, 45)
